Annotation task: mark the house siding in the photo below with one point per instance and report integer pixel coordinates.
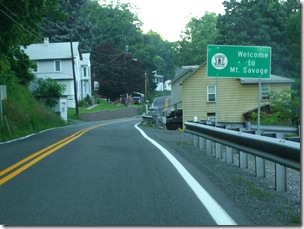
(234, 98)
(176, 94)
(194, 96)
(48, 67)
(46, 54)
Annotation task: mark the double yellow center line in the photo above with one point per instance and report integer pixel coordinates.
(27, 162)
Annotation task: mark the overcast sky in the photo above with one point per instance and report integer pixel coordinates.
(169, 17)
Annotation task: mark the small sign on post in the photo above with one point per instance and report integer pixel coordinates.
(3, 92)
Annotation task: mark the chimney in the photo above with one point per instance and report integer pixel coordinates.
(46, 41)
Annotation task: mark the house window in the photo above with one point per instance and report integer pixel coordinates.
(36, 68)
(57, 65)
(85, 72)
(265, 91)
(96, 85)
(211, 91)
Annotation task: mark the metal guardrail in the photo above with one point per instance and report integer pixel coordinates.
(280, 151)
(278, 128)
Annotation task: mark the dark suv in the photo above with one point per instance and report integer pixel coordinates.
(174, 119)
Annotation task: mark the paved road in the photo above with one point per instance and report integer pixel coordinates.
(163, 101)
(103, 173)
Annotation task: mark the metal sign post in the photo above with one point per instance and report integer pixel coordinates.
(216, 100)
(259, 106)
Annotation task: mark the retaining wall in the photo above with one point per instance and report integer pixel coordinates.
(110, 114)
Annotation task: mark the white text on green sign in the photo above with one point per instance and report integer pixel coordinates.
(239, 61)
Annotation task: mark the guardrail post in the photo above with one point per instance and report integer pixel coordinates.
(202, 143)
(280, 178)
(229, 155)
(218, 150)
(208, 146)
(243, 159)
(195, 141)
(286, 154)
(259, 167)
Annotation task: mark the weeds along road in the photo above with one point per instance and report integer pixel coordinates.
(105, 173)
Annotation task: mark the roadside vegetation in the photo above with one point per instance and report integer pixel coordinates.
(23, 114)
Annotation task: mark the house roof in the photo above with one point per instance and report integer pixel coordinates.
(183, 71)
(272, 80)
(85, 59)
(51, 51)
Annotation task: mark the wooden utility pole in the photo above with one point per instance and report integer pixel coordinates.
(74, 77)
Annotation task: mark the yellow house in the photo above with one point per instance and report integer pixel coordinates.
(236, 96)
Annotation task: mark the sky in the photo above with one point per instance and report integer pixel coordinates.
(169, 17)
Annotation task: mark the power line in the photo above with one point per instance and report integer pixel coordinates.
(28, 29)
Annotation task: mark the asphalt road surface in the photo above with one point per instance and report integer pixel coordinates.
(104, 173)
(162, 102)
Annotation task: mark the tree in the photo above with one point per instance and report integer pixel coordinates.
(112, 23)
(75, 23)
(199, 33)
(156, 54)
(19, 27)
(117, 25)
(286, 106)
(117, 71)
(48, 90)
(257, 23)
(293, 30)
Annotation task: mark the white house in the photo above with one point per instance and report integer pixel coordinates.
(167, 85)
(85, 65)
(54, 60)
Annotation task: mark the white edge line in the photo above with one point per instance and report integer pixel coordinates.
(219, 215)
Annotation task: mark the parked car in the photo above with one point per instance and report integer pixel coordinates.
(136, 100)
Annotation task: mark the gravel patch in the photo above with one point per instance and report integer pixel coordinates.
(255, 196)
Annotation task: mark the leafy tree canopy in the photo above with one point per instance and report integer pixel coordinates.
(19, 27)
(199, 32)
(73, 22)
(117, 71)
(260, 23)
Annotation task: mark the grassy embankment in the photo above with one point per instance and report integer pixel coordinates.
(23, 114)
(100, 106)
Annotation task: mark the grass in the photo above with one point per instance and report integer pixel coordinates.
(183, 143)
(296, 219)
(256, 192)
(25, 115)
(253, 190)
(103, 105)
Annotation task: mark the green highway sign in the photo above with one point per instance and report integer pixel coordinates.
(238, 61)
